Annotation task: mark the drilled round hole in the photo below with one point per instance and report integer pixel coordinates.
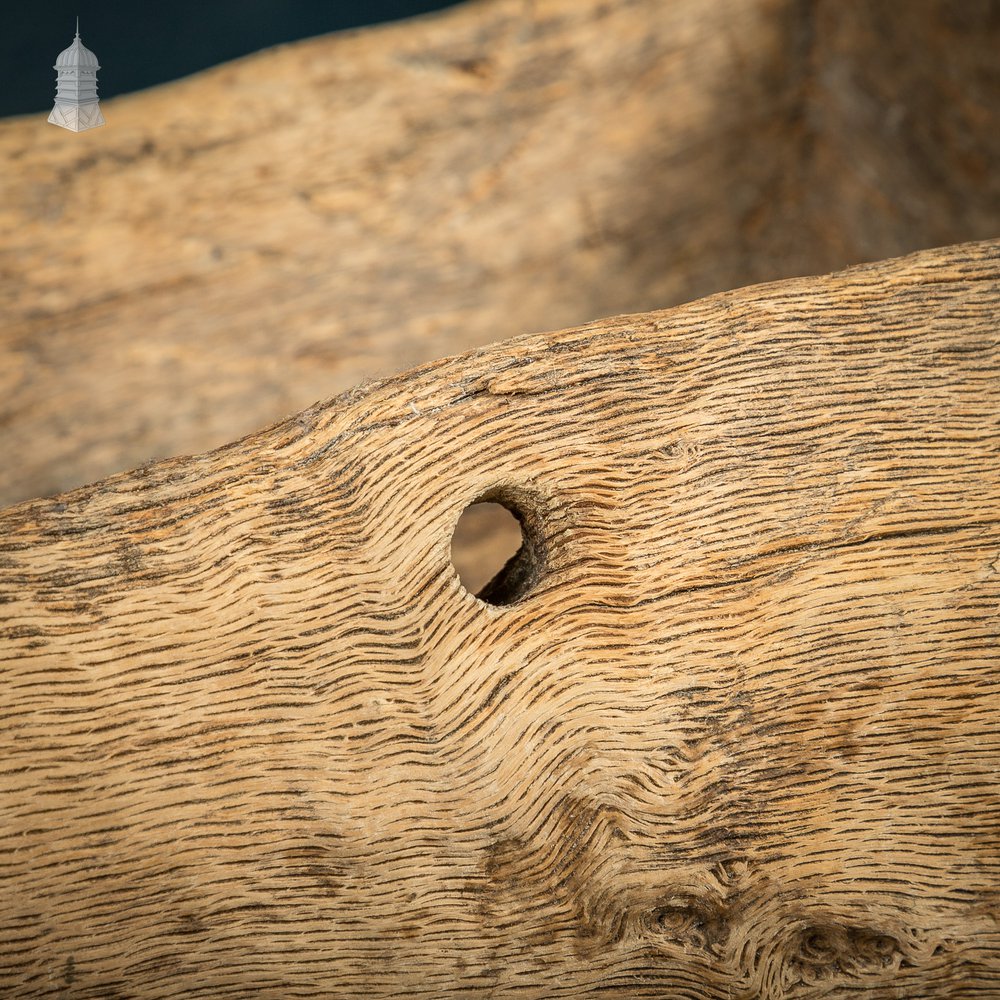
(494, 549)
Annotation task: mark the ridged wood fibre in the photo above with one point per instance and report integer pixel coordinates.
(738, 740)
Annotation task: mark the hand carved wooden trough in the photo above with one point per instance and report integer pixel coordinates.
(728, 729)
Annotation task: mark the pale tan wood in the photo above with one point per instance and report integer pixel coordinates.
(237, 245)
(739, 739)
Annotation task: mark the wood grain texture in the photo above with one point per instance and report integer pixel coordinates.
(739, 740)
(239, 244)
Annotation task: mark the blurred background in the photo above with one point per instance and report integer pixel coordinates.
(143, 45)
(270, 231)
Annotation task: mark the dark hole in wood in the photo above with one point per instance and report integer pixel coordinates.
(495, 548)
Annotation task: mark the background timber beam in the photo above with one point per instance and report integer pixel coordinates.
(244, 242)
(735, 734)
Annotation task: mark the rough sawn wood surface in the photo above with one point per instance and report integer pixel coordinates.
(739, 739)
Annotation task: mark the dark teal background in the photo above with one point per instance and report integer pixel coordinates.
(144, 42)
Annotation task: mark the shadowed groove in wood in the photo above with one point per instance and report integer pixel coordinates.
(738, 740)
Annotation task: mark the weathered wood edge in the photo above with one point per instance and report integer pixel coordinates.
(740, 740)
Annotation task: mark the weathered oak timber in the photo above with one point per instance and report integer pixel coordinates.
(234, 246)
(739, 739)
